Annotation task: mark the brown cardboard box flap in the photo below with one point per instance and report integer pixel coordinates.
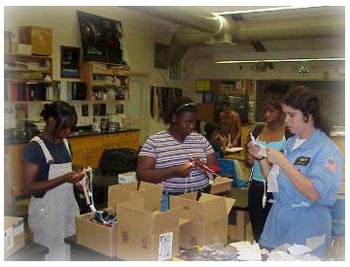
(95, 236)
(183, 221)
(220, 185)
(148, 222)
(207, 208)
(121, 193)
(141, 234)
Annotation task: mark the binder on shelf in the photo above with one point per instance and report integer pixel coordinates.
(21, 87)
(14, 92)
(32, 91)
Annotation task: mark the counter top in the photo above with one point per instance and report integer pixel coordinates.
(337, 131)
(15, 141)
(87, 133)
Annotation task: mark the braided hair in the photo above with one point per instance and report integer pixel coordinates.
(62, 112)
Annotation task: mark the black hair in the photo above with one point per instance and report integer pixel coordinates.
(225, 103)
(61, 111)
(304, 99)
(182, 104)
(210, 128)
(274, 92)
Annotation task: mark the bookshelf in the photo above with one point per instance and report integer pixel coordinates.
(27, 78)
(108, 78)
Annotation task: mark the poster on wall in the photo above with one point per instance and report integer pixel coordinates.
(202, 85)
(102, 39)
(208, 97)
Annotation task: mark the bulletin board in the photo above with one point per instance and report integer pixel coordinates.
(330, 93)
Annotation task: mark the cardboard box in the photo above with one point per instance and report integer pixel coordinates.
(13, 235)
(125, 192)
(40, 39)
(96, 236)
(127, 177)
(146, 235)
(208, 218)
(24, 49)
(220, 185)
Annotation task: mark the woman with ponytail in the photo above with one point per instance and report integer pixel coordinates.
(49, 179)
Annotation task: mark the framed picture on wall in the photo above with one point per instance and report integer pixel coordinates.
(102, 39)
(70, 62)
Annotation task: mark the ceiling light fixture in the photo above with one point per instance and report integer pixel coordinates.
(303, 70)
(271, 9)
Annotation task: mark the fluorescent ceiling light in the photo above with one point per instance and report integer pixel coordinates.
(263, 10)
(279, 60)
(282, 56)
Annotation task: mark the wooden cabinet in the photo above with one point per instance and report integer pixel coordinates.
(112, 140)
(131, 140)
(87, 150)
(105, 81)
(13, 180)
(27, 78)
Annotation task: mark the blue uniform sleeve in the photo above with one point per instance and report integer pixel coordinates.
(326, 173)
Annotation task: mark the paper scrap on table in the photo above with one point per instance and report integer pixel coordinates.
(280, 256)
(315, 241)
(247, 251)
(296, 250)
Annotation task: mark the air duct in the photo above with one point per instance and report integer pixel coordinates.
(201, 27)
(316, 27)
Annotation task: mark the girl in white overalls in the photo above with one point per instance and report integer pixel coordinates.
(49, 178)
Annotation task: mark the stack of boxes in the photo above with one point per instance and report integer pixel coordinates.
(35, 41)
(14, 238)
(142, 232)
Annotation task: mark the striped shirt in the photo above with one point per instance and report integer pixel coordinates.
(168, 152)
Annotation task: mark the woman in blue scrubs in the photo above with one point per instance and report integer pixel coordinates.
(307, 173)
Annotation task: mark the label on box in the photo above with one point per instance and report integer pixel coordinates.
(18, 228)
(8, 239)
(127, 177)
(165, 246)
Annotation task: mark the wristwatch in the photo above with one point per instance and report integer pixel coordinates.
(260, 158)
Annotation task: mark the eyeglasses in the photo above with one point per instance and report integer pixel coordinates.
(184, 105)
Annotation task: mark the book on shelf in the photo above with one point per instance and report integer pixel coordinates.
(27, 91)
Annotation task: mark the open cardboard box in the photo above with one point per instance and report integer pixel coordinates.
(121, 193)
(14, 238)
(98, 237)
(208, 218)
(143, 234)
(220, 185)
(101, 238)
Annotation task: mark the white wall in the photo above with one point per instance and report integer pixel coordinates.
(139, 35)
(207, 69)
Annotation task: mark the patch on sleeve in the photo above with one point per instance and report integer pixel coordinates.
(304, 161)
(331, 165)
